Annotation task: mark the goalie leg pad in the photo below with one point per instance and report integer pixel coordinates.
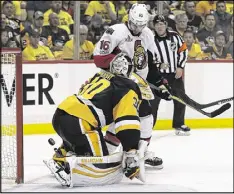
(93, 174)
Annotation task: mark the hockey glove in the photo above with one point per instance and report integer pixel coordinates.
(165, 89)
(131, 163)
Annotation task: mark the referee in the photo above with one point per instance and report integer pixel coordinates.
(172, 54)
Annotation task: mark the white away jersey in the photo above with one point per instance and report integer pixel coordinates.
(118, 37)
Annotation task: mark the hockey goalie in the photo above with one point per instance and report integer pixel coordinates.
(83, 159)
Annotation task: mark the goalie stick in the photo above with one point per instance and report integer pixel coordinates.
(192, 104)
(182, 95)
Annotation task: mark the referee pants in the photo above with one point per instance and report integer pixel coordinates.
(179, 109)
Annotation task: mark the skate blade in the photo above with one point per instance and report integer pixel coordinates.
(155, 167)
(159, 167)
(182, 133)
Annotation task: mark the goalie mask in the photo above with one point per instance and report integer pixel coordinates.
(121, 65)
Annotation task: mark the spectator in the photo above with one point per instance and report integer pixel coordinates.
(222, 18)
(121, 9)
(23, 12)
(167, 13)
(70, 9)
(37, 23)
(181, 23)
(194, 49)
(9, 11)
(33, 6)
(230, 7)
(230, 34)
(34, 51)
(206, 35)
(105, 8)
(205, 7)
(17, 9)
(83, 7)
(56, 36)
(10, 32)
(65, 19)
(168, 16)
(217, 51)
(125, 19)
(6, 42)
(174, 4)
(67, 6)
(152, 9)
(96, 29)
(194, 21)
(230, 49)
(86, 47)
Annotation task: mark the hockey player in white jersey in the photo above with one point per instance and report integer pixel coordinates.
(136, 40)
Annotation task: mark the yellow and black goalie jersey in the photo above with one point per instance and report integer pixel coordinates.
(106, 98)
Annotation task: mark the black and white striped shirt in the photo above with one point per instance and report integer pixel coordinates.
(171, 50)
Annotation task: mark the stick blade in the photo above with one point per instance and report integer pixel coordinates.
(220, 110)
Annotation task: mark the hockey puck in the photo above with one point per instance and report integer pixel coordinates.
(51, 141)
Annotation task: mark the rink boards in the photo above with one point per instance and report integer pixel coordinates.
(46, 84)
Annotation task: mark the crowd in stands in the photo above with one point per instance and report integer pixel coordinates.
(44, 30)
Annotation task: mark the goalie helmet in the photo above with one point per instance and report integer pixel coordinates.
(138, 18)
(121, 65)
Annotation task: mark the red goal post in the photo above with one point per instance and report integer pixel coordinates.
(12, 164)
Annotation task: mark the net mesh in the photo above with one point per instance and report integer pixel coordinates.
(8, 116)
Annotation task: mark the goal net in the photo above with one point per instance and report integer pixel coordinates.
(11, 115)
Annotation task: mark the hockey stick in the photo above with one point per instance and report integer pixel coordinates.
(218, 102)
(184, 96)
(189, 102)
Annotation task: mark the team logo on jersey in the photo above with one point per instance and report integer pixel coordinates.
(172, 46)
(140, 57)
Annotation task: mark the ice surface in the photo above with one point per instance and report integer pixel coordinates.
(202, 162)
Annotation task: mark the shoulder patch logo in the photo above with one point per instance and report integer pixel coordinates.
(110, 31)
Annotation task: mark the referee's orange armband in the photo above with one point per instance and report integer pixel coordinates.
(182, 48)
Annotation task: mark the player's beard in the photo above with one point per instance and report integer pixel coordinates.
(135, 29)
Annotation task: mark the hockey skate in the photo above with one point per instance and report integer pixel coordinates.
(152, 161)
(182, 130)
(63, 177)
